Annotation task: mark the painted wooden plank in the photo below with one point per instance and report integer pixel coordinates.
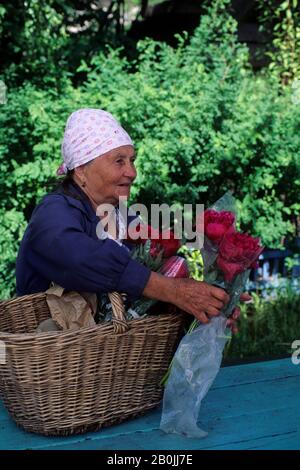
(256, 403)
(150, 419)
(258, 395)
(234, 375)
(13, 437)
(256, 372)
(233, 420)
(289, 440)
(240, 434)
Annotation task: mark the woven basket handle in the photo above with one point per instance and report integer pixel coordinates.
(119, 318)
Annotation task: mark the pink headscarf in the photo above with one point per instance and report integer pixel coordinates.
(90, 133)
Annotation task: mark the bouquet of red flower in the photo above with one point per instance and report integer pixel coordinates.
(228, 256)
(158, 251)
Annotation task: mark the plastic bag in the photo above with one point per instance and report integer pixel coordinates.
(199, 355)
(195, 366)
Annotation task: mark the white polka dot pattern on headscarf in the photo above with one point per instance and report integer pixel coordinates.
(90, 133)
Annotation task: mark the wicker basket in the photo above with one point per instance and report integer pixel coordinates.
(70, 382)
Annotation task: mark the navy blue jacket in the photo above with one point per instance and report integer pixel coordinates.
(60, 244)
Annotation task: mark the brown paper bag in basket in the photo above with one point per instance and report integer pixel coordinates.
(69, 310)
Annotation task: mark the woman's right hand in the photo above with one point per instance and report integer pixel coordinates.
(200, 299)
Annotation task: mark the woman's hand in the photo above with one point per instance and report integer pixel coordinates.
(232, 321)
(197, 298)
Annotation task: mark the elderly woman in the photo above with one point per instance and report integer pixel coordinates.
(61, 243)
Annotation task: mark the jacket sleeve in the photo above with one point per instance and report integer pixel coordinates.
(60, 250)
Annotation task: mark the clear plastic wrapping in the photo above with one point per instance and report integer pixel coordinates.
(199, 355)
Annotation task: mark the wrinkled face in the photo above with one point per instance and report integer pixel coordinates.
(108, 176)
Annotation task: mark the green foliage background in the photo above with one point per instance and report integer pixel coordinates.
(202, 121)
(267, 328)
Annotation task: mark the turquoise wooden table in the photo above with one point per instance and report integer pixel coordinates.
(253, 406)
